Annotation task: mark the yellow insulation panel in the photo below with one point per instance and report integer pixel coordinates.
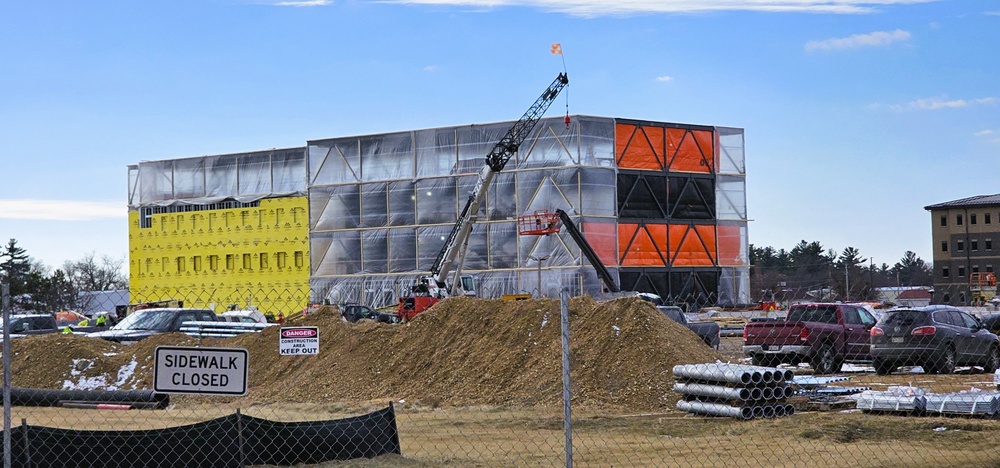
(215, 258)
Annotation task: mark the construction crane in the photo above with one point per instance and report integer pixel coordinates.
(430, 289)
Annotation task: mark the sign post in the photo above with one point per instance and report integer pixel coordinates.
(203, 371)
(298, 341)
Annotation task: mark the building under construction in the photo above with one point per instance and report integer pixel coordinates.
(359, 218)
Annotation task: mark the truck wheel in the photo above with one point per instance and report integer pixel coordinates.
(825, 361)
(992, 361)
(882, 367)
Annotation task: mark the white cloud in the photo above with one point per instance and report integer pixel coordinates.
(937, 103)
(664, 78)
(431, 68)
(873, 39)
(304, 3)
(985, 133)
(592, 8)
(60, 210)
(992, 13)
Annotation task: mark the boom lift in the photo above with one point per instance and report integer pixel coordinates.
(545, 222)
(432, 288)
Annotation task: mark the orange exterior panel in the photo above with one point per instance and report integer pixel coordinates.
(602, 238)
(692, 245)
(690, 150)
(642, 245)
(730, 240)
(638, 147)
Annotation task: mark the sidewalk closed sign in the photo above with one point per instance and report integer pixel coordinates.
(298, 341)
(202, 371)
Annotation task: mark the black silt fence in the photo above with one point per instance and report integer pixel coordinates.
(232, 441)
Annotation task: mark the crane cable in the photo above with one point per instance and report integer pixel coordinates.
(557, 49)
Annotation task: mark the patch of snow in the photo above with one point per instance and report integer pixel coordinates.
(125, 373)
(545, 320)
(618, 331)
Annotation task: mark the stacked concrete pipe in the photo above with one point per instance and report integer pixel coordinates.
(734, 390)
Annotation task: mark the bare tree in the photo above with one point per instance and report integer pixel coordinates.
(91, 274)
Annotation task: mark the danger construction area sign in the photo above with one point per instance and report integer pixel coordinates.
(204, 371)
(298, 341)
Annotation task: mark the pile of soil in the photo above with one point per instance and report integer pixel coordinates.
(463, 351)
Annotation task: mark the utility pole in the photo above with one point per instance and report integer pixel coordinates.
(539, 260)
(847, 283)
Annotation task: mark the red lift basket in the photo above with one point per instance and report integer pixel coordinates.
(539, 223)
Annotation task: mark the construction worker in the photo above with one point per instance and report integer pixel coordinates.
(67, 330)
(102, 319)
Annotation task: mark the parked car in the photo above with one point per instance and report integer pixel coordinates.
(144, 323)
(823, 334)
(243, 316)
(31, 324)
(937, 338)
(354, 312)
(991, 322)
(707, 331)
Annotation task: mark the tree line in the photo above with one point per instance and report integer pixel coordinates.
(34, 287)
(810, 271)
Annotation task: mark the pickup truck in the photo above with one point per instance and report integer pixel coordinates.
(32, 324)
(148, 322)
(709, 332)
(354, 312)
(823, 334)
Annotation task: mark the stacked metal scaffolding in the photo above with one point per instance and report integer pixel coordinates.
(734, 390)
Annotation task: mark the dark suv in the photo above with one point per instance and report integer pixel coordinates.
(937, 338)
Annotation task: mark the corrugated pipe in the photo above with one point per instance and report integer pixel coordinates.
(714, 391)
(767, 393)
(718, 373)
(715, 409)
(758, 411)
(779, 411)
(789, 410)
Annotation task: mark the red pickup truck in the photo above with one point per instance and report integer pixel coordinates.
(823, 334)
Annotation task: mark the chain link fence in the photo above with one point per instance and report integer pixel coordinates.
(478, 382)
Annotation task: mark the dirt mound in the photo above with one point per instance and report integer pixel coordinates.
(463, 351)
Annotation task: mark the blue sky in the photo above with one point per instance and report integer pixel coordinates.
(858, 113)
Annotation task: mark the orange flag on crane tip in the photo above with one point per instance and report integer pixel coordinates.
(557, 48)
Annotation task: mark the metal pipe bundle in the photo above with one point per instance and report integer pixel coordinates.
(733, 390)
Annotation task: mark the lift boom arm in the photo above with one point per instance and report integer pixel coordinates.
(595, 261)
(495, 162)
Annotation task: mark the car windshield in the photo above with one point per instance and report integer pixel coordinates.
(904, 318)
(156, 320)
(674, 313)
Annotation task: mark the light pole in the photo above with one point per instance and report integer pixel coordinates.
(539, 261)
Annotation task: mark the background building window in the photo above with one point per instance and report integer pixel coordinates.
(960, 246)
(944, 220)
(989, 244)
(961, 272)
(972, 218)
(986, 218)
(944, 246)
(974, 245)
(958, 220)
(944, 272)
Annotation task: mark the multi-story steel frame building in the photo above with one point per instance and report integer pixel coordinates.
(662, 204)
